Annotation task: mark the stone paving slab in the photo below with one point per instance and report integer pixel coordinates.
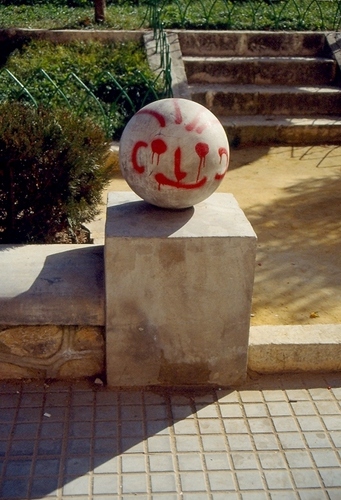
(275, 438)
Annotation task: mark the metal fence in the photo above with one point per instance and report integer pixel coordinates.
(72, 92)
(247, 14)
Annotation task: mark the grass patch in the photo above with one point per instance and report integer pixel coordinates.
(188, 14)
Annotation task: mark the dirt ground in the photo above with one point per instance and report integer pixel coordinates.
(292, 197)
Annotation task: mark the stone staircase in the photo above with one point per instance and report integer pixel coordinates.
(266, 87)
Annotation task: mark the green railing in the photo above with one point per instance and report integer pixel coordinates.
(247, 14)
(72, 92)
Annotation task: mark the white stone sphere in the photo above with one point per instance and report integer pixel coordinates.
(174, 153)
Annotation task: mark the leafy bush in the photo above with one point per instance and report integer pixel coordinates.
(104, 68)
(52, 172)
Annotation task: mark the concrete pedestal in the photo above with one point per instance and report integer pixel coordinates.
(178, 292)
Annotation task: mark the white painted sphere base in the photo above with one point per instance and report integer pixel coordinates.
(174, 153)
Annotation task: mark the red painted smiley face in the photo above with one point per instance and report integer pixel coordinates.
(171, 149)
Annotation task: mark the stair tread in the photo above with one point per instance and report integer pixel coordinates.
(271, 89)
(245, 59)
(279, 120)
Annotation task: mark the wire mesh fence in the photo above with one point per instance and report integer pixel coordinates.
(112, 109)
(117, 103)
(247, 14)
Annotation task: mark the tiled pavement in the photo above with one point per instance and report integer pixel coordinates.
(275, 438)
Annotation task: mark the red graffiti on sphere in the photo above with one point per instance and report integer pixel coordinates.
(222, 152)
(159, 147)
(161, 179)
(139, 168)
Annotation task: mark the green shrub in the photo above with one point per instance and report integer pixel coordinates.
(93, 63)
(52, 173)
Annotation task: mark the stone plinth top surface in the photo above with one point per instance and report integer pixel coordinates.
(218, 216)
(51, 284)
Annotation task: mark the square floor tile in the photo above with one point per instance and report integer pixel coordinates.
(231, 410)
(310, 423)
(221, 480)
(298, 459)
(46, 466)
(255, 410)
(161, 462)
(105, 465)
(278, 479)
(209, 426)
(22, 448)
(18, 468)
(132, 412)
(106, 446)
(190, 461)
(76, 485)
(133, 462)
(132, 428)
(332, 422)
(79, 446)
(187, 426)
(235, 426)
(279, 408)
(44, 486)
(244, 460)
(265, 442)
(262, 424)
(192, 481)
(160, 444)
(213, 442)
(206, 411)
(156, 412)
(285, 424)
(305, 478)
(14, 488)
(163, 483)
(251, 396)
(77, 466)
(26, 431)
(217, 461)
(327, 407)
(291, 440)
(325, 458)
(317, 440)
(303, 408)
(105, 484)
(240, 442)
(249, 480)
(331, 477)
(272, 460)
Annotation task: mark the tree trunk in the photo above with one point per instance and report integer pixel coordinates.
(99, 11)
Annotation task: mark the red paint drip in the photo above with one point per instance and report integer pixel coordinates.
(178, 115)
(177, 166)
(159, 117)
(139, 168)
(158, 148)
(222, 152)
(202, 150)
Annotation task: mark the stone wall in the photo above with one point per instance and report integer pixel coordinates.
(51, 351)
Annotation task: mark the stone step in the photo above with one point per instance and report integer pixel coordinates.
(252, 43)
(270, 129)
(264, 99)
(261, 70)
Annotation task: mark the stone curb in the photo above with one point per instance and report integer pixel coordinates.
(295, 348)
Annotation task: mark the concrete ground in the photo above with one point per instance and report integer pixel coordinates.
(292, 197)
(277, 438)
